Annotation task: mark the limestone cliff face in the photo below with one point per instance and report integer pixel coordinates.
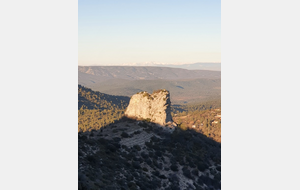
(156, 107)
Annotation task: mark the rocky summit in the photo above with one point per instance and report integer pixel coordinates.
(155, 107)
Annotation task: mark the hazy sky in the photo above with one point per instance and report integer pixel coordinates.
(138, 31)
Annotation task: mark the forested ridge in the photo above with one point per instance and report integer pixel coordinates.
(191, 107)
(207, 122)
(89, 99)
(96, 109)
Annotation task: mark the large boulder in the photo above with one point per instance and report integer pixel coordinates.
(155, 107)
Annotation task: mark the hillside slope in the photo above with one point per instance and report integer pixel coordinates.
(186, 86)
(132, 154)
(96, 109)
(89, 99)
(206, 122)
(182, 91)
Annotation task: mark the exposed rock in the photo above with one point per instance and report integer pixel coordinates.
(154, 107)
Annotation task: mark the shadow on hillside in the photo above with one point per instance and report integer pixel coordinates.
(188, 139)
(158, 129)
(102, 160)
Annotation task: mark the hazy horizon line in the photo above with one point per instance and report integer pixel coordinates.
(150, 64)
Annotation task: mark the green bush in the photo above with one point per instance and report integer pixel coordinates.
(201, 166)
(187, 173)
(195, 172)
(132, 185)
(124, 134)
(148, 120)
(144, 155)
(136, 164)
(111, 147)
(115, 130)
(174, 167)
(217, 177)
(137, 147)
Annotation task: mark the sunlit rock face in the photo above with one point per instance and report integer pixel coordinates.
(154, 107)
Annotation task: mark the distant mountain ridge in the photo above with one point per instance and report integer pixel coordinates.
(189, 66)
(186, 86)
(143, 73)
(199, 66)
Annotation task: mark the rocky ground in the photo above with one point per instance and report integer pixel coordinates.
(132, 154)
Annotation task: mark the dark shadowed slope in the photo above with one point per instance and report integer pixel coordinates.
(132, 154)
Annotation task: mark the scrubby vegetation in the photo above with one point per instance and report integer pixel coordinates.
(89, 99)
(184, 159)
(167, 161)
(158, 91)
(204, 118)
(96, 109)
(95, 119)
(191, 107)
(207, 122)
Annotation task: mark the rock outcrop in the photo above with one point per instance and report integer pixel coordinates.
(154, 107)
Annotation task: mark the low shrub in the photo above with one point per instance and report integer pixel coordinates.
(174, 167)
(124, 134)
(137, 147)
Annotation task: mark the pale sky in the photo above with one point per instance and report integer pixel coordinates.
(112, 32)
